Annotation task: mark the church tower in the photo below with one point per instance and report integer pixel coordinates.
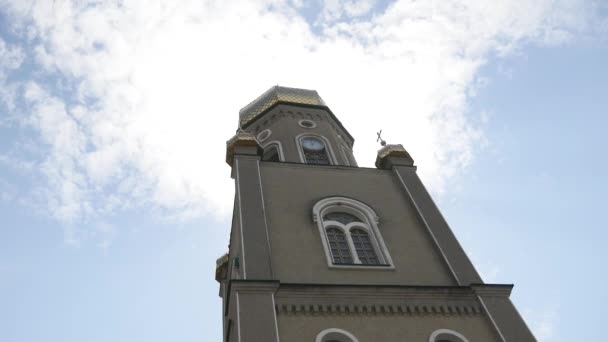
(322, 250)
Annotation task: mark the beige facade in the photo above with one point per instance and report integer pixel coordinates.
(322, 250)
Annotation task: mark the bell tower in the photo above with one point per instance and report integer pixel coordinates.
(322, 250)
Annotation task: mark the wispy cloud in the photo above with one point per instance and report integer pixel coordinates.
(11, 58)
(130, 102)
(333, 10)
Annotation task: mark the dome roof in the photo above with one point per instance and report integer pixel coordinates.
(275, 95)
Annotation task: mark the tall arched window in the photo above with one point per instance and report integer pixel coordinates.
(314, 150)
(350, 235)
(335, 335)
(447, 335)
(338, 245)
(363, 246)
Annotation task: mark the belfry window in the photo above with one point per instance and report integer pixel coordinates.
(271, 154)
(315, 151)
(350, 233)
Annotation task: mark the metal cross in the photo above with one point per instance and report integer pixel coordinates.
(382, 142)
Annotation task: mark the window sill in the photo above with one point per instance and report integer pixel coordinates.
(363, 266)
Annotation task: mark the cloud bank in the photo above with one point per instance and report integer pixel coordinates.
(128, 103)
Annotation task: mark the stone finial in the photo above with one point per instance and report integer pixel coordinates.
(243, 141)
(393, 154)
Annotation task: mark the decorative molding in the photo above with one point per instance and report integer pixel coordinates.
(500, 290)
(447, 334)
(255, 286)
(347, 309)
(298, 115)
(302, 123)
(331, 168)
(263, 135)
(333, 334)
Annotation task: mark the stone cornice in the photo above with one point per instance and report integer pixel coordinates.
(493, 290)
(332, 168)
(372, 300)
(309, 299)
(254, 286)
(382, 292)
(239, 140)
(419, 309)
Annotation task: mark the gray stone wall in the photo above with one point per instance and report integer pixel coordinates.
(290, 192)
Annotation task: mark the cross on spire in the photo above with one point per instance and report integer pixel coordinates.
(382, 142)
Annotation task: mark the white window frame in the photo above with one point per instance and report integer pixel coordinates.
(265, 134)
(301, 123)
(447, 334)
(369, 223)
(330, 152)
(335, 334)
(279, 148)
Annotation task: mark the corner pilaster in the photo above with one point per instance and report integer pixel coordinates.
(503, 315)
(243, 153)
(396, 158)
(255, 310)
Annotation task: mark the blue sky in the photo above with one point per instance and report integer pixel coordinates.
(115, 199)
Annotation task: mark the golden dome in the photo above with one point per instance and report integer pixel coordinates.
(275, 95)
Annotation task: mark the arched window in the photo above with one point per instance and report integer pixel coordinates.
(338, 245)
(272, 152)
(363, 246)
(350, 235)
(314, 150)
(335, 335)
(446, 335)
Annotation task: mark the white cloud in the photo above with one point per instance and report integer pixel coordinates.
(345, 9)
(144, 94)
(11, 58)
